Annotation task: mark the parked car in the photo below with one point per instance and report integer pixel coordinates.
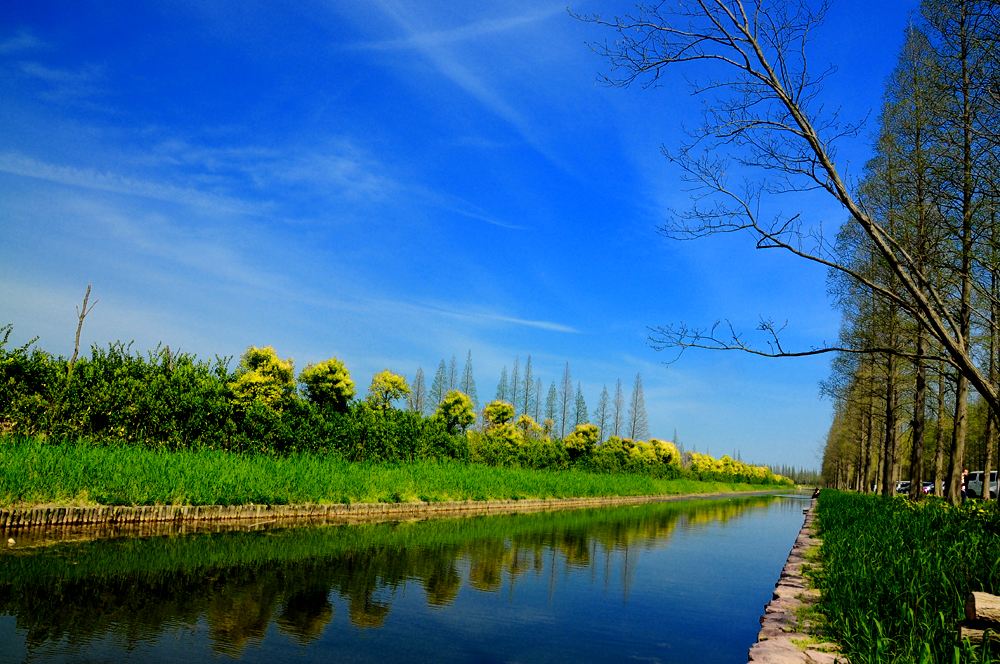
(903, 486)
(928, 487)
(974, 484)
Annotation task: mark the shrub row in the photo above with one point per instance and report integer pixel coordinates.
(175, 401)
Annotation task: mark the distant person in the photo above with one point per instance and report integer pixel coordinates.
(815, 493)
(965, 484)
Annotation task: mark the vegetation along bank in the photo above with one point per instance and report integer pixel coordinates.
(122, 428)
(896, 574)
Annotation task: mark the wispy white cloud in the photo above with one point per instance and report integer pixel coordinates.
(439, 47)
(462, 33)
(22, 40)
(490, 317)
(458, 311)
(65, 85)
(18, 164)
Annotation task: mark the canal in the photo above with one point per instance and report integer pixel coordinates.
(661, 582)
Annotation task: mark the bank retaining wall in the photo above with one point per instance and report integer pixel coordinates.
(17, 519)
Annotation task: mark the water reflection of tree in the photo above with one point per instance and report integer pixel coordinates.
(305, 614)
(239, 600)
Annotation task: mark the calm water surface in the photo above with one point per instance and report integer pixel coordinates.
(667, 582)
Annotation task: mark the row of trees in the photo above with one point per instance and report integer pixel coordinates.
(562, 407)
(174, 401)
(921, 402)
(915, 264)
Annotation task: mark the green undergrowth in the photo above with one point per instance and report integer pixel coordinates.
(34, 472)
(896, 573)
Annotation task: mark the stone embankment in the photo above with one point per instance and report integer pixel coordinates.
(13, 520)
(786, 632)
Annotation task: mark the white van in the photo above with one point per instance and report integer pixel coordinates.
(974, 484)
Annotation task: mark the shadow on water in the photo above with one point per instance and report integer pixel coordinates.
(234, 590)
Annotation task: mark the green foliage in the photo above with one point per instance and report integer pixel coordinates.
(705, 467)
(580, 443)
(36, 471)
(263, 377)
(172, 401)
(529, 427)
(666, 453)
(30, 380)
(498, 412)
(896, 573)
(386, 388)
(611, 456)
(456, 411)
(497, 445)
(328, 384)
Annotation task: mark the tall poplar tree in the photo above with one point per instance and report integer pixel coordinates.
(452, 374)
(552, 406)
(565, 399)
(602, 412)
(503, 386)
(439, 386)
(538, 400)
(417, 399)
(638, 424)
(468, 385)
(527, 392)
(618, 410)
(515, 384)
(580, 407)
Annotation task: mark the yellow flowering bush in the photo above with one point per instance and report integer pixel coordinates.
(263, 377)
(328, 384)
(581, 442)
(385, 388)
(456, 411)
(498, 412)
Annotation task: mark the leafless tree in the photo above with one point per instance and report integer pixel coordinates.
(766, 135)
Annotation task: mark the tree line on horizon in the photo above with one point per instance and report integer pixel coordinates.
(174, 401)
(915, 388)
(563, 408)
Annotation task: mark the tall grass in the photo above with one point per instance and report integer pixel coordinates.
(896, 574)
(37, 472)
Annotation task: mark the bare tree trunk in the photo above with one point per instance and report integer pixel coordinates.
(965, 273)
(870, 446)
(917, 424)
(862, 464)
(991, 416)
(890, 455)
(939, 435)
(81, 314)
(959, 430)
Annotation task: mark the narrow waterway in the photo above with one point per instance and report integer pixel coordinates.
(664, 582)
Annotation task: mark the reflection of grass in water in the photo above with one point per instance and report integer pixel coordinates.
(193, 554)
(33, 472)
(241, 582)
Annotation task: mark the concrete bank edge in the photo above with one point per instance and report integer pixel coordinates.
(19, 519)
(783, 639)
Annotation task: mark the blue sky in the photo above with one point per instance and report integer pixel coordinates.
(394, 183)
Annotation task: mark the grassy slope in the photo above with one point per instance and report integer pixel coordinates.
(33, 472)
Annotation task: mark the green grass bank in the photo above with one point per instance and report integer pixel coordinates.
(896, 574)
(36, 472)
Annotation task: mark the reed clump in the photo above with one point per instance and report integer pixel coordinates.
(896, 574)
